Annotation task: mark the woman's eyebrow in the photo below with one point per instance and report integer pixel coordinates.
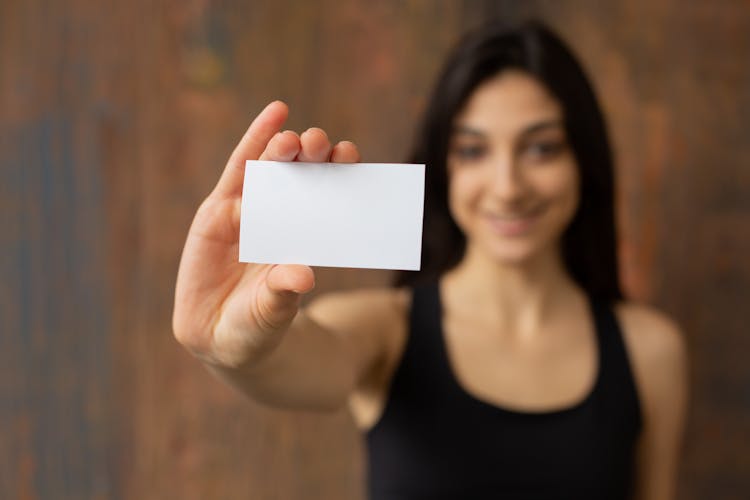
(542, 125)
(533, 128)
(466, 130)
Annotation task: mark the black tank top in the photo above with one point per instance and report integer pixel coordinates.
(436, 441)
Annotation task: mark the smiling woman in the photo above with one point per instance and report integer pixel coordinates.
(561, 115)
(513, 180)
(510, 366)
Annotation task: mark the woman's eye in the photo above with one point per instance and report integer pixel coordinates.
(469, 152)
(543, 150)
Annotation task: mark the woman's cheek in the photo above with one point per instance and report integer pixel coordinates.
(461, 197)
(565, 189)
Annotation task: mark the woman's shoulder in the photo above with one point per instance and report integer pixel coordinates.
(372, 314)
(658, 355)
(374, 301)
(651, 335)
(375, 322)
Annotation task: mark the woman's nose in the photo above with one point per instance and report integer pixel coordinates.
(506, 182)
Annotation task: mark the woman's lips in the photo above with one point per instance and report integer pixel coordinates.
(513, 224)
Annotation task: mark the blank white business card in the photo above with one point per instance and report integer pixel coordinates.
(365, 215)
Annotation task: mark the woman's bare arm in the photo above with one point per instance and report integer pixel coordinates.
(659, 358)
(330, 348)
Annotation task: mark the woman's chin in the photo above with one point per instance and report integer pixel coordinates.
(512, 253)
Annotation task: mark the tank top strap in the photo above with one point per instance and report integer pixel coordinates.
(425, 311)
(617, 389)
(424, 345)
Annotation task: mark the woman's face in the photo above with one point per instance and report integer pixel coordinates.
(513, 179)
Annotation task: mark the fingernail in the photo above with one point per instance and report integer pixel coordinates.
(319, 129)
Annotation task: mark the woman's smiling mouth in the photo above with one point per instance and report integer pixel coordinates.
(512, 224)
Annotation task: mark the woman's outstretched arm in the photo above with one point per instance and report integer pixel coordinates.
(243, 320)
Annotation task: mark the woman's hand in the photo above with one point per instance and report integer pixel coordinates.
(228, 313)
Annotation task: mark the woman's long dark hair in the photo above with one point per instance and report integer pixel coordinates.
(589, 244)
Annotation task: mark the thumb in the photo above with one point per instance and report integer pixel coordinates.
(290, 278)
(284, 286)
(250, 147)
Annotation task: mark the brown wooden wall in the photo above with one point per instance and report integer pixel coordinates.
(116, 118)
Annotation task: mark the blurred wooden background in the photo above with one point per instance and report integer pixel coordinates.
(116, 119)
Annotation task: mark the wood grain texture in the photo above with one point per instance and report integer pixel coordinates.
(116, 119)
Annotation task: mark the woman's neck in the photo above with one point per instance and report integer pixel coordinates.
(518, 295)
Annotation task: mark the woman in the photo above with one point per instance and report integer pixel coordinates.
(511, 366)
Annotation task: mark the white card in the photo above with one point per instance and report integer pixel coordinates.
(365, 215)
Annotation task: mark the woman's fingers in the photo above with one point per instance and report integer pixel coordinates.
(252, 144)
(287, 145)
(345, 152)
(263, 141)
(315, 146)
(284, 146)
